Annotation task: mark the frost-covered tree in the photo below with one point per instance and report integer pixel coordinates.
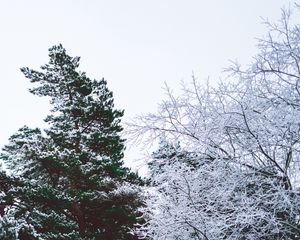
(215, 199)
(69, 179)
(245, 135)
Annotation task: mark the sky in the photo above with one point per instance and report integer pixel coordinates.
(136, 45)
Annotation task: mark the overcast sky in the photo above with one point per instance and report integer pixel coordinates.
(136, 45)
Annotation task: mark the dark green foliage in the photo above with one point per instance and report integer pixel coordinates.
(71, 182)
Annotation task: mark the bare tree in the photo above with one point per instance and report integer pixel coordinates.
(245, 134)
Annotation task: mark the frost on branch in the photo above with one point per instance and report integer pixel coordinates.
(217, 200)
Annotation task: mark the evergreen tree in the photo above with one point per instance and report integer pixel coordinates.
(69, 180)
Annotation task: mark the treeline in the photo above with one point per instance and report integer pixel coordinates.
(227, 166)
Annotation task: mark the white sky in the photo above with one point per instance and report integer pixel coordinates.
(136, 45)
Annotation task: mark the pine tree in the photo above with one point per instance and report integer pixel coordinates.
(69, 179)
